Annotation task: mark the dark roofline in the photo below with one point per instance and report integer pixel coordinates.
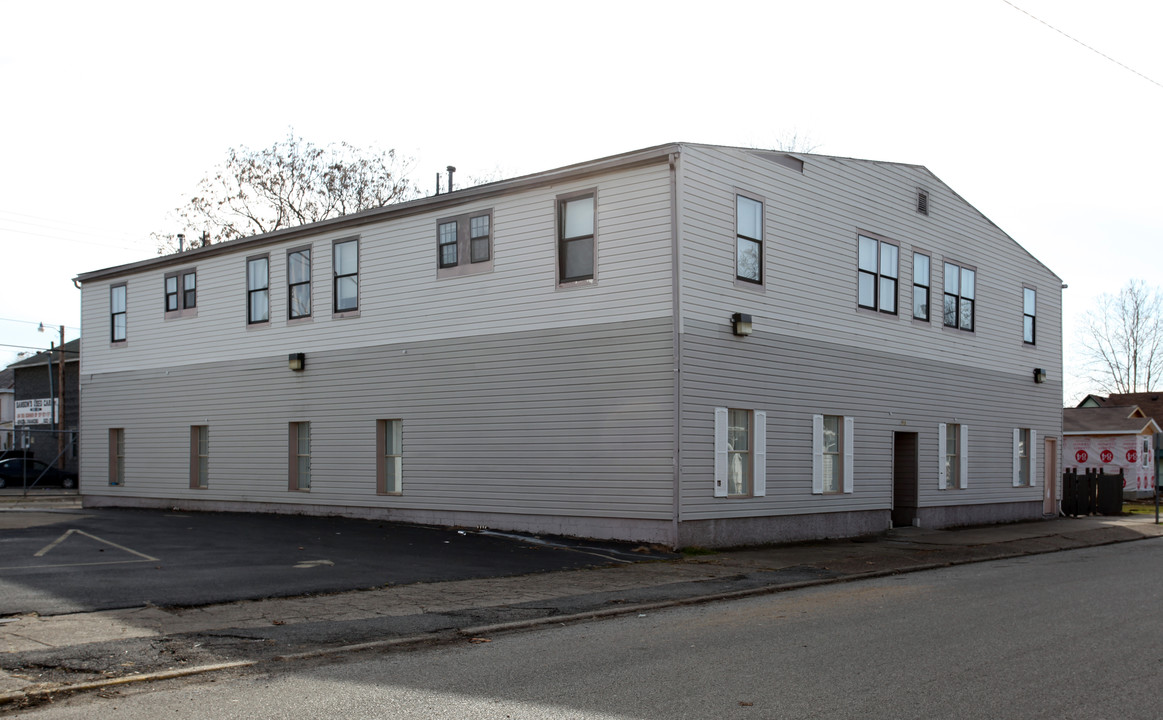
(72, 350)
(636, 158)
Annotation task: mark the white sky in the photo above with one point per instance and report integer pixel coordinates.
(111, 112)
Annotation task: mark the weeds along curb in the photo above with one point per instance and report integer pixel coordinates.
(38, 694)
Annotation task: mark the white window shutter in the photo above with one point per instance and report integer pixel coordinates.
(1017, 469)
(849, 453)
(964, 457)
(818, 454)
(1033, 451)
(941, 450)
(759, 472)
(720, 452)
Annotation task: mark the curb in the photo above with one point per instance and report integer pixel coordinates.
(19, 696)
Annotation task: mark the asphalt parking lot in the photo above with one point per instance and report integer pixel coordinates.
(64, 561)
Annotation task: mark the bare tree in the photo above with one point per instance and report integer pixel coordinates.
(1122, 340)
(292, 182)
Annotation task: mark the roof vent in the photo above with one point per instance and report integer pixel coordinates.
(922, 202)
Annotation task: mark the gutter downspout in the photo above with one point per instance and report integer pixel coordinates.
(676, 316)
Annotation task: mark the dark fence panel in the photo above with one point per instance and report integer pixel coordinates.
(1092, 493)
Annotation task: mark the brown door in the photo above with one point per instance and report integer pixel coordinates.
(1050, 481)
(904, 478)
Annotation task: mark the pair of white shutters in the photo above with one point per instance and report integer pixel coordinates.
(847, 443)
(1032, 451)
(758, 453)
(962, 457)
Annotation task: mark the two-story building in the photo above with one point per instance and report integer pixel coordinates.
(687, 344)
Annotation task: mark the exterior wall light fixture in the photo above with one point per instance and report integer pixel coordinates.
(741, 324)
(296, 361)
(1039, 375)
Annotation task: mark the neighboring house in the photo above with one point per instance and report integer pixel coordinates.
(7, 408)
(687, 344)
(37, 391)
(1112, 439)
(1151, 403)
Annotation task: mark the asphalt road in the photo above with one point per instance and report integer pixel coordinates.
(1065, 635)
(62, 562)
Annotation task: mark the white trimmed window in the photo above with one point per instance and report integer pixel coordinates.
(748, 239)
(953, 449)
(832, 454)
(299, 468)
(199, 456)
(389, 456)
(740, 453)
(1025, 457)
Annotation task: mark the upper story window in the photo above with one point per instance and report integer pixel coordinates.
(960, 296)
(1029, 314)
(748, 239)
(299, 283)
(877, 274)
(181, 292)
(346, 267)
(920, 286)
(464, 244)
(576, 249)
(258, 297)
(117, 313)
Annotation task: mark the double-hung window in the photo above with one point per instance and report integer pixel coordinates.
(117, 313)
(832, 454)
(181, 292)
(1025, 457)
(389, 456)
(953, 449)
(576, 235)
(464, 244)
(117, 456)
(877, 274)
(748, 239)
(299, 283)
(300, 456)
(346, 270)
(740, 453)
(960, 296)
(199, 456)
(920, 287)
(258, 293)
(1029, 314)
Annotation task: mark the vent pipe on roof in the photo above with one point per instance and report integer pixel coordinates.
(451, 170)
(437, 183)
(181, 242)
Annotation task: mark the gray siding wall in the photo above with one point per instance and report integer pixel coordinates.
(814, 351)
(567, 422)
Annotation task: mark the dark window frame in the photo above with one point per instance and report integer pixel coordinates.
(461, 242)
(959, 297)
(1030, 316)
(185, 299)
(123, 313)
(251, 292)
(198, 480)
(292, 286)
(336, 278)
(927, 287)
(879, 276)
(758, 242)
(561, 205)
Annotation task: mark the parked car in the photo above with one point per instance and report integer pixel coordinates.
(16, 472)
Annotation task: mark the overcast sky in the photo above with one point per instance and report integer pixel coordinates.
(112, 111)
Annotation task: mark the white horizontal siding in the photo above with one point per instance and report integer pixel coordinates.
(812, 221)
(573, 422)
(401, 299)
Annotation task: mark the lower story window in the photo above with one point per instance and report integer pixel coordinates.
(740, 453)
(1025, 457)
(199, 456)
(953, 441)
(300, 456)
(116, 456)
(389, 456)
(832, 454)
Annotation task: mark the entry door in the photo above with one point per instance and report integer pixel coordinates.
(905, 487)
(1050, 480)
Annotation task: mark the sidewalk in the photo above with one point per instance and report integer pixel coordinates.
(42, 656)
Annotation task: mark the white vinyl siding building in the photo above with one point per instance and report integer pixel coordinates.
(584, 378)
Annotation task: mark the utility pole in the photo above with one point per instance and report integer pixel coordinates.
(61, 411)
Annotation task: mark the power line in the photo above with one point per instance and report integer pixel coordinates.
(1088, 47)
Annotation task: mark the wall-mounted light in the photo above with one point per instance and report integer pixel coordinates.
(1039, 375)
(296, 361)
(741, 324)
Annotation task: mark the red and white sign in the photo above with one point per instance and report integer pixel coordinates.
(35, 412)
(1133, 454)
(1081, 456)
(1106, 456)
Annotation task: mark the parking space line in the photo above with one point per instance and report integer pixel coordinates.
(63, 565)
(58, 541)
